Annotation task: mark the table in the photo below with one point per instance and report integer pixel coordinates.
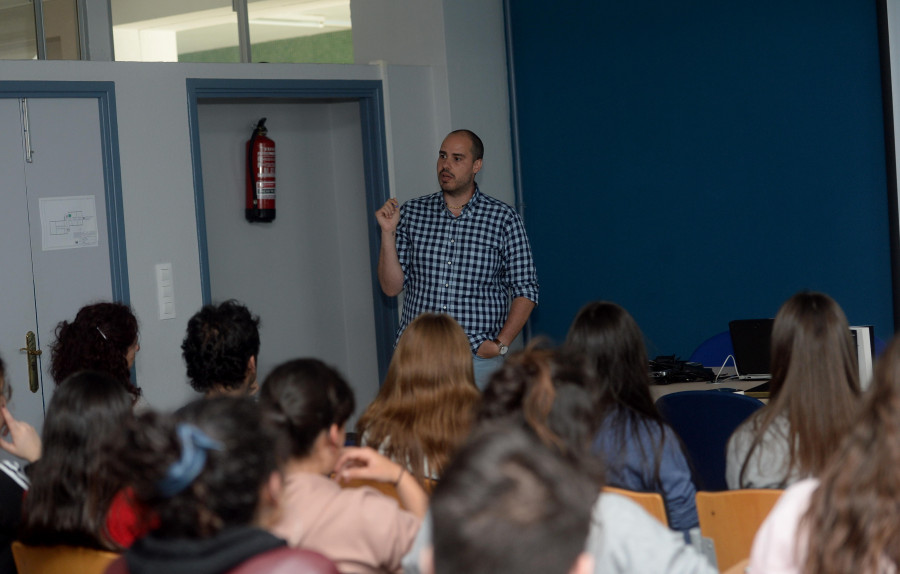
(657, 391)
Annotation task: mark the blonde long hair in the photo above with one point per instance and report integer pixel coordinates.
(427, 402)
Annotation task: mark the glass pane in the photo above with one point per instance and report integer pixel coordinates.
(61, 29)
(175, 31)
(315, 31)
(17, 30)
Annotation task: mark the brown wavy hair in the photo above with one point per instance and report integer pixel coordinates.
(815, 382)
(426, 404)
(547, 391)
(96, 340)
(854, 516)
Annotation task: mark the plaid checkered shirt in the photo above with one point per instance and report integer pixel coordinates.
(467, 266)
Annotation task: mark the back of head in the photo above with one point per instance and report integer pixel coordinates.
(219, 343)
(612, 344)
(812, 349)
(98, 340)
(507, 504)
(432, 354)
(547, 392)
(305, 397)
(815, 380)
(859, 490)
(202, 469)
(425, 406)
(71, 490)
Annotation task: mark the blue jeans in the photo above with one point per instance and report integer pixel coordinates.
(484, 368)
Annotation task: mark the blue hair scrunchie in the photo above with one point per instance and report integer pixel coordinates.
(194, 445)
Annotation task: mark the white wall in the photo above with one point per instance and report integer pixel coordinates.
(154, 144)
(463, 84)
(307, 274)
(158, 195)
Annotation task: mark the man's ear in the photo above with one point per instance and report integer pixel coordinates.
(476, 166)
(584, 564)
(251, 366)
(426, 560)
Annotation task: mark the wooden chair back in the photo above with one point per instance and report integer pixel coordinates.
(731, 518)
(60, 559)
(652, 502)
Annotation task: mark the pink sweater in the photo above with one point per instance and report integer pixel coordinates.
(360, 529)
(779, 546)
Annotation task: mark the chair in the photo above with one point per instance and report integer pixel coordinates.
(60, 559)
(704, 420)
(739, 568)
(713, 351)
(732, 518)
(287, 561)
(652, 502)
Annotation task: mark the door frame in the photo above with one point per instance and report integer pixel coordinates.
(105, 94)
(369, 94)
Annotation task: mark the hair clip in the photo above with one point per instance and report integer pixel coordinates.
(102, 334)
(194, 446)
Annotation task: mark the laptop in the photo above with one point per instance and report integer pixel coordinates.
(751, 340)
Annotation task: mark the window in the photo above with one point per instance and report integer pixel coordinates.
(212, 30)
(39, 29)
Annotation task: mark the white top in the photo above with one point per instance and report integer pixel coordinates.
(768, 465)
(623, 539)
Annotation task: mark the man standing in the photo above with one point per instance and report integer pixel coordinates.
(461, 252)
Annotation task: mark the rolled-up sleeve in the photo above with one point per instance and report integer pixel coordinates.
(521, 275)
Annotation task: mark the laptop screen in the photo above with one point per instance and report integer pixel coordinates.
(751, 340)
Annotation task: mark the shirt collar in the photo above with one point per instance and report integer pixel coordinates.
(440, 207)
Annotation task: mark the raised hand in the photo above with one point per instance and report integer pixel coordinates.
(389, 215)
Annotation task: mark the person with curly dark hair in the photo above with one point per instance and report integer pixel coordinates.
(221, 348)
(103, 337)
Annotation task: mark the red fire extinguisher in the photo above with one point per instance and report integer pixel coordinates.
(260, 204)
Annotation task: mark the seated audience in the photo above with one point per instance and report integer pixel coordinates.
(362, 530)
(424, 408)
(548, 393)
(69, 502)
(640, 451)
(103, 337)
(210, 475)
(21, 441)
(221, 348)
(847, 519)
(814, 394)
(508, 504)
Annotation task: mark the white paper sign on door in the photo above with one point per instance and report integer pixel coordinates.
(68, 222)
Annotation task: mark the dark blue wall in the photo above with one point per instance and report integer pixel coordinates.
(700, 161)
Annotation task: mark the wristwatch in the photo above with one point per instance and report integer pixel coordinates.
(503, 348)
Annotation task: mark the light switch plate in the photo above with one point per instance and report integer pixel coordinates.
(165, 291)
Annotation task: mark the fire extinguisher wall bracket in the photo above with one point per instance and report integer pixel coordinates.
(260, 188)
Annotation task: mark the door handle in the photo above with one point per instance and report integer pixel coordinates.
(32, 353)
